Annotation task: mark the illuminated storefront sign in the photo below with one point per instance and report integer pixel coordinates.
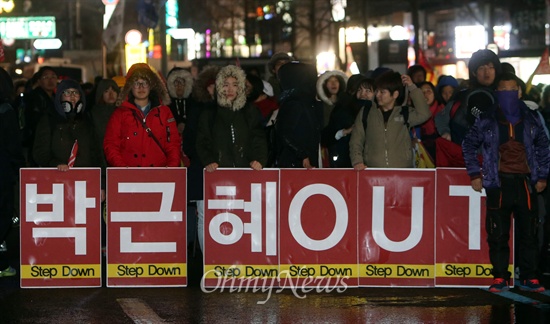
(27, 27)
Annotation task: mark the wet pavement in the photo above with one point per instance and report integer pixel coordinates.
(193, 305)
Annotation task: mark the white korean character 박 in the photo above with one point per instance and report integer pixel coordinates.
(56, 200)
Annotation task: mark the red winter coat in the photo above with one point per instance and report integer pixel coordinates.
(127, 144)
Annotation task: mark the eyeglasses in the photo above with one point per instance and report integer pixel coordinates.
(144, 85)
(50, 77)
(68, 93)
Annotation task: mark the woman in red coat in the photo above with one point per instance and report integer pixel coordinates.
(142, 131)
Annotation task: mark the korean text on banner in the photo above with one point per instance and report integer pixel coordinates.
(60, 228)
(146, 228)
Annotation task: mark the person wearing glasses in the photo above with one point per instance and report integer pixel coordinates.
(38, 102)
(65, 137)
(142, 131)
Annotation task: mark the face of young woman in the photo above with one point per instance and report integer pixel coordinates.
(333, 85)
(428, 94)
(141, 89)
(109, 96)
(71, 95)
(230, 87)
(179, 85)
(447, 92)
(364, 93)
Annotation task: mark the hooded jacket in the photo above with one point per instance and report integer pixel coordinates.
(320, 86)
(101, 113)
(179, 105)
(57, 131)
(127, 143)
(484, 135)
(231, 134)
(299, 121)
(206, 77)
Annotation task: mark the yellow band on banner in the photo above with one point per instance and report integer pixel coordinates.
(158, 270)
(319, 270)
(423, 271)
(239, 271)
(464, 270)
(60, 271)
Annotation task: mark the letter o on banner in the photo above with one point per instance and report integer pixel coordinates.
(236, 233)
(295, 211)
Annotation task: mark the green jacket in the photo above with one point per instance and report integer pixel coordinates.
(387, 146)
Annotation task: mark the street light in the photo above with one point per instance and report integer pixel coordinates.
(6, 6)
(338, 13)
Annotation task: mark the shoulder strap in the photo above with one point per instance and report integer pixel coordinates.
(366, 110)
(147, 129)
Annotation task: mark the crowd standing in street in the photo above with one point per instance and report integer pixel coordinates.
(220, 116)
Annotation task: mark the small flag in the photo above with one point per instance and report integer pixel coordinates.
(423, 61)
(74, 151)
(542, 68)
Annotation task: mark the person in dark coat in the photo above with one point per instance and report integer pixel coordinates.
(105, 103)
(37, 103)
(336, 135)
(516, 160)
(67, 127)
(11, 159)
(299, 121)
(230, 135)
(180, 84)
(202, 98)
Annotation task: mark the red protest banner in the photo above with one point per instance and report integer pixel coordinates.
(60, 228)
(146, 228)
(396, 227)
(240, 225)
(462, 254)
(318, 228)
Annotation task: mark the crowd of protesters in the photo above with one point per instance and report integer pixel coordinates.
(296, 118)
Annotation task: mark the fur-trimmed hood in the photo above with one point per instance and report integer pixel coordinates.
(156, 84)
(237, 73)
(206, 77)
(182, 73)
(323, 78)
